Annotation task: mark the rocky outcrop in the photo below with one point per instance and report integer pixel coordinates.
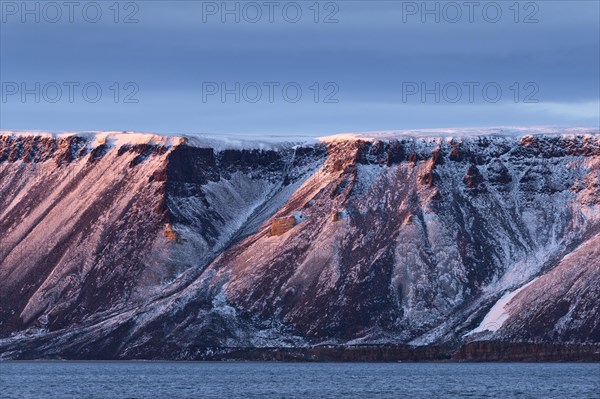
(282, 225)
(169, 233)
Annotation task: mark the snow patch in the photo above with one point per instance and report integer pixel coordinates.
(498, 314)
(221, 306)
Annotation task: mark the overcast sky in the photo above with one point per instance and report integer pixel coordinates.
(363, 65)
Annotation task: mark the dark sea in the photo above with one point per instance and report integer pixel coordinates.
(229, 380)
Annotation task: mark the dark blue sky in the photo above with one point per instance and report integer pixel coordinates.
(374, 63)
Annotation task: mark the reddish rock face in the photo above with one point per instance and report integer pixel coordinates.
(455, 154)
(169, 233)
(282, 225)
(162, 250)
(473, 179)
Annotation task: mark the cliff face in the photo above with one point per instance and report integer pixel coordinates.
(141, 246)
(77, 225)
(83, 219)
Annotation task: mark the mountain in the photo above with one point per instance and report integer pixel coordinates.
(471, 244)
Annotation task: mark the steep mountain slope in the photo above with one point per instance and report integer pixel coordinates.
(87, 220)
(561, 305)
(142, 246)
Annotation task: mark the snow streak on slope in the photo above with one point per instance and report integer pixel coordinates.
(498, 313)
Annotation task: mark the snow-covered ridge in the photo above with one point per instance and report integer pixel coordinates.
(276, 142)
(238, 142)
(453, 133)
(216, 142)
(114, 139)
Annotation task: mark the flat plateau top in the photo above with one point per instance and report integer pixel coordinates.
(236, 141)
